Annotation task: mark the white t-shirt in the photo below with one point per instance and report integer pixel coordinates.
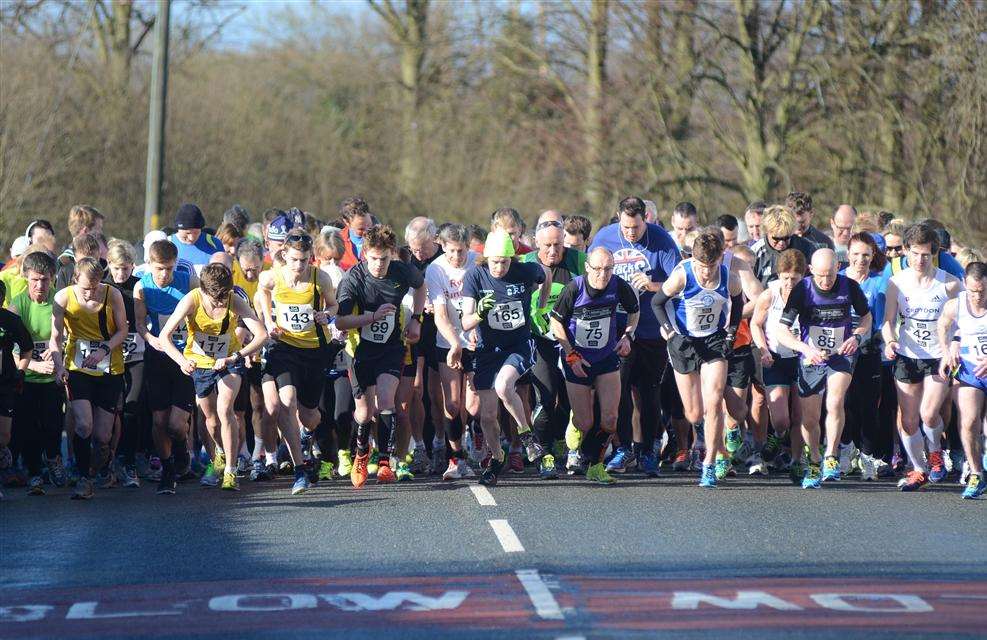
(444, 284)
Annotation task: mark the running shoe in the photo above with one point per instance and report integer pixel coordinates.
(210, 478)
(465, 470)
(56, 471)
(167, 484)
(913, 481)
(813, 476)
(975, 486)
(141, 462)
(491, 473)
(403, 472)
(868, 468)
(897, 463)
(621, 461)
(937, 467)
(796, 472)
(696, 457)
(649, 464)
(301, 483)
(515, 462)
(708, 478)
(681, 462)
(438, 457)
(771, 448)
(733, 438)
(127, 476)
(373, 464)
(532, 447)
(83, 489)
(965, 474)
(574, 464)
(831, 471)
(573, 437)
(722, 466)
(884, 470)
(598, 473)
(756, 465)
(259, 472)
(106, 479)
(385, 475)
(36, 486)
(311, 471)
(272, 471)
(345, 462)
(419, 461)
(230, 482)
(559, 449)
(848, 455)
(326, 470)
(218, 461)
(242, 464)
(358, 476)
(452, 471)
(546, 468)
(154, 467)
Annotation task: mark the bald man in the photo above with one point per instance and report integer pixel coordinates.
(842, 223)
(827, 342)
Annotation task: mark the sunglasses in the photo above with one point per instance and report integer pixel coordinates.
(896, 248)
(781, 239)
(547, 224)
(304, 240)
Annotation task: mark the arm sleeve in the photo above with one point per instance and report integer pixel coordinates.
(628, 299)
(658, 306)
(563, 306)
(736, 310)
(534, 272)
(858, 299)
(346, 296)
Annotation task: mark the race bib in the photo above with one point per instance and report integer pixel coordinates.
(922, 332)
(506, 316)
(592, 334)
(214, 347)
(39, 348)
(133, 348)
(179, 335)
(701, 320)
(826, 339)
(379, 331)
(296, 318)
(82, 350)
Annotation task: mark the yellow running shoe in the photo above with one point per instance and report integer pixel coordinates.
(573, 437)
(219, 461)
(374, 463)
(230, 482)
(345, 462)
(598, 473)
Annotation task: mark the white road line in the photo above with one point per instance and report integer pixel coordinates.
(963, 596)
(544, 602)
(483, 495)
(505, 534)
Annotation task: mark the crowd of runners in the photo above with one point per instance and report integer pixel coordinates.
(318, 350)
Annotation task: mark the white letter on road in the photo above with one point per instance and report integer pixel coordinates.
(394, 600)
(87, 611)
(744, 600)
(24, 612)
(246, 602)
(837, 602)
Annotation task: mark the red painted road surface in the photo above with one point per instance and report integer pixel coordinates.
(556, 603)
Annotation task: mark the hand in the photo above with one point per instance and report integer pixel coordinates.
(728, 341)
(412, 331)
(44, 367)
(624, 346)
(767, 360)
(274, 331)
(429, 308)
(579, 367)
(321, 317)
(383, 311)
(187, 366)
(891, 350)
(981, 370)
(221, 363)
(454, 359)
(641, 281)
(94, 357)
(473, 340)
(61, 375)
(153, 341)
(485, 304)
(849, 346)
(813, 355)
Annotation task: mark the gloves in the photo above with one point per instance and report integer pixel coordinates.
(484, 306)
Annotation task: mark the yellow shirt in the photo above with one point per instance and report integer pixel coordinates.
(294, 311)
(240, 280)
(88, 330)
(210, 339)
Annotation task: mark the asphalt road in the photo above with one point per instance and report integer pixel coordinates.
(548, 559)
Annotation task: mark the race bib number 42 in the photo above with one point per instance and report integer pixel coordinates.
(922, 332)
(506, 316)
(379, 331)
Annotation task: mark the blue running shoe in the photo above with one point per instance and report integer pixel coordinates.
(830, 470)
(708, 478)
(649, 465)
(620, 460)
(975, 486)
(813, 477)
(302, 483)
(722, 466)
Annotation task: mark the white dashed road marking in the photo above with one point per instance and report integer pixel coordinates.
(505, 534)
(483, 495)
(541, 597)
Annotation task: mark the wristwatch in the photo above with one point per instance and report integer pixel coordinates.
(417, 316)
(237, 357)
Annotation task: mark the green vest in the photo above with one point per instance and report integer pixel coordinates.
(573, 261)
(37, 318)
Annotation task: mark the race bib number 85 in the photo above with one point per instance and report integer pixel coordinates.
(826, 339)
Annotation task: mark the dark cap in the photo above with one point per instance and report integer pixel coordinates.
(189, 216)
(279, 228)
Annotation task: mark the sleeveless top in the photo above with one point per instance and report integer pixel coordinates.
(133, 346)
(161, 303)
(593, 325)
(972, 331)
(831, 318)
(918, 313)
(88, 330)
(772, 326)
(697, 311)
(294, 311)
(210, 338)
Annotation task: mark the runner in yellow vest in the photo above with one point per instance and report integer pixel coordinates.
(90, 318)
(214, 358)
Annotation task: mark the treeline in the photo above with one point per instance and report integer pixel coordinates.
(452, 109)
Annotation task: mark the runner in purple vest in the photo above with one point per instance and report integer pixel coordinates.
(593, 338)
(822, 304)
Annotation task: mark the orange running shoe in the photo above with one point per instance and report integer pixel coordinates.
(384, 473)
(358, 476)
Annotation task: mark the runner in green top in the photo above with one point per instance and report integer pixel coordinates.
(39, 411)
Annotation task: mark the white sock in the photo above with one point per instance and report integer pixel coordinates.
(219, 451)
(915, 448)
(933, 435)
(272, 457)
(243, 450)
(258, 448)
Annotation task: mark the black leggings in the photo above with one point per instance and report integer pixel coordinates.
(131, 425)
(862, 405)
(887, 417)
(337, 417)
(642, 369)
(38, 418)
(550, 416)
